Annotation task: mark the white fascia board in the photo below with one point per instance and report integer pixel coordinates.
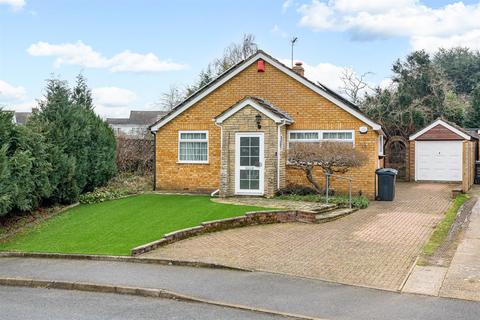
(243, 104)
(442, 123)
(281, 67)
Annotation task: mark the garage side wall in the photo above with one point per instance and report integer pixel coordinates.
(469, 158)
(411, 171)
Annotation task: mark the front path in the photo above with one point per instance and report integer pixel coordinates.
(463, 276)
(374, 247)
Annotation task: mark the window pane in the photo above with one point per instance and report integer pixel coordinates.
(244, 184)
(244, 161)
(193, 135)
(338, 135)
(304, 135)
(254, 184)
(244, 151)
(193, 151)
(244, 141)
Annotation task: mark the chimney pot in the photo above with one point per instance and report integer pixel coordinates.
(298, 68)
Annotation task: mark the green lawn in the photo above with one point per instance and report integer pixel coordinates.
(115, 227)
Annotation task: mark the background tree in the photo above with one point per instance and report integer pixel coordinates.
(423, 90)
(354, 86)
(331, 157)
(24, 166)
(171, 98)
(473, 112)
(233, 54)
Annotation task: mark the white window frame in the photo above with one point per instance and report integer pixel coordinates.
(193, 140)
(381, 145)
(320, 136)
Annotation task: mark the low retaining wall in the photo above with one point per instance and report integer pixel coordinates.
(249, 219)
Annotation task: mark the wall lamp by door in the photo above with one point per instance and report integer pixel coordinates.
(258, 120)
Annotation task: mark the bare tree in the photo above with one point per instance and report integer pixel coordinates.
(235, 53)
(332, 157)
(171, 98)
(353, 85)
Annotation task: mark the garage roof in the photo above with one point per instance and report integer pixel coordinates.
(456, 132)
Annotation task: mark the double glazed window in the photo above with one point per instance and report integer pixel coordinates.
(321, 135)
(193, 146)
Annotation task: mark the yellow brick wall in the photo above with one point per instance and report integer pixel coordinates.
(308, 109)
(469, 158)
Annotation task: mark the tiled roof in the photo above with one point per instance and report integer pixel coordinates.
(139, 118)
(233, 68)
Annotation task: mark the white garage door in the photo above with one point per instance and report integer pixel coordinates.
(438, 160)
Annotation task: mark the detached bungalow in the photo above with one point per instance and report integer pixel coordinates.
(233, 134)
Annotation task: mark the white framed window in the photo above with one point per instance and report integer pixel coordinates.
(193, 146)
(381, 142)
(321, 135)
(303, 136)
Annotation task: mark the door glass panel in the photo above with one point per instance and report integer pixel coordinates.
(249, 159)
(244, 184)
(244, 161)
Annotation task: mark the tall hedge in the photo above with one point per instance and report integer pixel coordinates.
(65, 149)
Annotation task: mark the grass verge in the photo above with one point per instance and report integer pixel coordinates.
(442, 229)
(115, 227)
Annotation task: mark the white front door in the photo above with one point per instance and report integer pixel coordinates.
(249, 168)
(438, 160)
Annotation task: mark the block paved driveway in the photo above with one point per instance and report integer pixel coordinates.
(373, 247)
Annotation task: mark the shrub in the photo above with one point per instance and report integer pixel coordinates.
(296, 189)
(121, 186)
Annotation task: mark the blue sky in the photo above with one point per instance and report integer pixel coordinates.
(132, 51)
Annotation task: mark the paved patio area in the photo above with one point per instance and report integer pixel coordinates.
(373, 247)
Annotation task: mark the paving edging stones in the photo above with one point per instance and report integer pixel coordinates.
(137, 291)
(182, 263)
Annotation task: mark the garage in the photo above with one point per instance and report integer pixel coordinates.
(444, 152)
(439, 160)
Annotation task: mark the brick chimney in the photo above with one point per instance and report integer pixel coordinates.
(298, 68)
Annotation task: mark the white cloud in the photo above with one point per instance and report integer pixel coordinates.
(330, 75)
(426, 27)
(113, 96)
(9, 92)
(469, 39)
(113, 101)
(277, 30)
(83, 55)
(14, 4)
(24, 106)
(286, 5)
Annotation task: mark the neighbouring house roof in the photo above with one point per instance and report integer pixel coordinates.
(456, 129)
(22, 117)
(261, 105)
(239, 67)
(144, 118)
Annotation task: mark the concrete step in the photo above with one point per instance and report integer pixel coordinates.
(333, 214)
(325, 208)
